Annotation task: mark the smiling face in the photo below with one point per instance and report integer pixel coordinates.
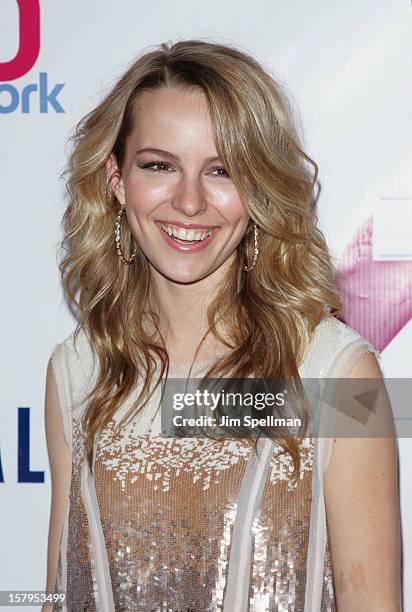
(172, 180)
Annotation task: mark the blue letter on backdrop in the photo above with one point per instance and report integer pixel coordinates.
(25, 475)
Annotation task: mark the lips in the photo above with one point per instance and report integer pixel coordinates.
(194, 226)
(185, 235)
(188, 248)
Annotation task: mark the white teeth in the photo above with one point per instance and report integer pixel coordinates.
(184, 234)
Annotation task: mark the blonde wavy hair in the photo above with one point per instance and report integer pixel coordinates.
(269, 313)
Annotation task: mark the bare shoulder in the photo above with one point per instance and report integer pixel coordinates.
(367, 366)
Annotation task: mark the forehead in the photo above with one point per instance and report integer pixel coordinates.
(171, 114)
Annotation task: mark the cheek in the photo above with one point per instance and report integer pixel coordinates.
(142, 195)
(231, 206)
(237, 213)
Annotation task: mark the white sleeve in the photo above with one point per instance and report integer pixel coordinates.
(61, 371)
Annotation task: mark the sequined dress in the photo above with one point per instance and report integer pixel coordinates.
(189, 524)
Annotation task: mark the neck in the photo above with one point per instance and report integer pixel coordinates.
(182, 310)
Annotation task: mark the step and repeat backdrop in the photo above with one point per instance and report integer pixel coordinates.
(346, 66)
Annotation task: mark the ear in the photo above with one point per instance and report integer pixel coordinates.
(114, 178)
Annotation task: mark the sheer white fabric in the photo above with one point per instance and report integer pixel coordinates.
(272, 550)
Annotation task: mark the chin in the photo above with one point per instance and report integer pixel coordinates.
(186, 279)
(191, 276)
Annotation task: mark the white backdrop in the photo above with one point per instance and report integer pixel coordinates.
(347, 68)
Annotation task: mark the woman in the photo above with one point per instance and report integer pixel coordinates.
(190, 217)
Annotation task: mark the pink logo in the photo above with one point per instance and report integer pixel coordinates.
(377, 295)
(29, 42)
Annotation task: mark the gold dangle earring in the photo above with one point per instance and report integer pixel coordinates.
(256, 250)
(117, 239)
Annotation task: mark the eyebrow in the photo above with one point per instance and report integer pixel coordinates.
(168, 154)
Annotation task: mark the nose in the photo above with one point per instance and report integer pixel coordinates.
(189, 197)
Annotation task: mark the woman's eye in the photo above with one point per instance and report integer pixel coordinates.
(165, 166)
(224, 171)
(152, 164)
